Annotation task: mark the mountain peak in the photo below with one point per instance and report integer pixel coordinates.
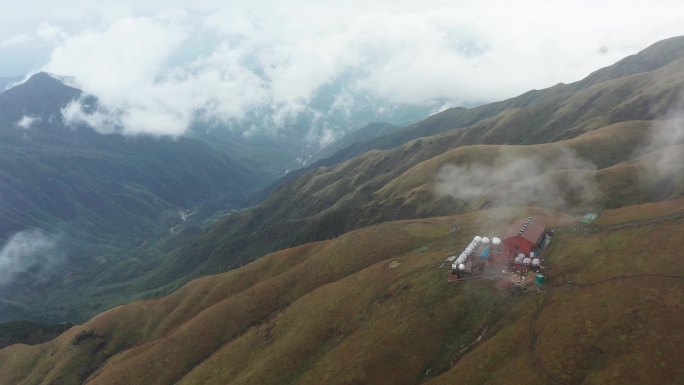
(41, 78)
(41, 94)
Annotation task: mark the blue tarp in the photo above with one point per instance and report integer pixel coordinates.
(485, 253)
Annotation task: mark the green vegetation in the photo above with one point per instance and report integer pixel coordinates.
(27, 332)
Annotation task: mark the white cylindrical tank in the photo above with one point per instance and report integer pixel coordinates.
(527, 261)
(477, 239)
(519, 259)
(461, 266)
(485, 241)
(536, 262)
(454, 266)
(496, 241)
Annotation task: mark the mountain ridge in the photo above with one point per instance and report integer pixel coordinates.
(329, 200)
(655, 56)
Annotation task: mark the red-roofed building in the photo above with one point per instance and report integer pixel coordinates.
(524, 236)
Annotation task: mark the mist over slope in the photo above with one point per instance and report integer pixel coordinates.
(604, 120)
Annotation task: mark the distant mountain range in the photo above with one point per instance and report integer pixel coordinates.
(98, 197)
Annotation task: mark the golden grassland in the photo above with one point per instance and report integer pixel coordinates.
(371, 307)
(609, 314)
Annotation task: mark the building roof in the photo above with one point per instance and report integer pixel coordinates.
(529, 228)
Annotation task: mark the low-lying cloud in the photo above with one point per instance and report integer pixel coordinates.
(270, 63)
(669, 136)
(30, 250)
(560, 180)
(663, 155)
(27, 121)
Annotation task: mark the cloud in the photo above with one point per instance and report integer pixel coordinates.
(260, 67)
(126, 67)
(50, 33)
(668, 138)
(27, 121)
(27, 250)
(18, 39)
(515, 178)
(662, 155)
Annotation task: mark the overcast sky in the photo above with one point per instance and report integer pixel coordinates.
(156, 64)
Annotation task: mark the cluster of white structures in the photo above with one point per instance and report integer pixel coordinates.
(463, 261)
(532, 260)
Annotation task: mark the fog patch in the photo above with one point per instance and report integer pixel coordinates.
(560, 180)
(27, 251)
(664, 149)
(27, 121)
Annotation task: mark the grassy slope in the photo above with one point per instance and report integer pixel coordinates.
(342, 312)
(611, 149)
(344, 286)
(384, 192)
(332, 200)
(602, 329)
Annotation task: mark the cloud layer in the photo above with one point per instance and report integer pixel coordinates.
(270, 63)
